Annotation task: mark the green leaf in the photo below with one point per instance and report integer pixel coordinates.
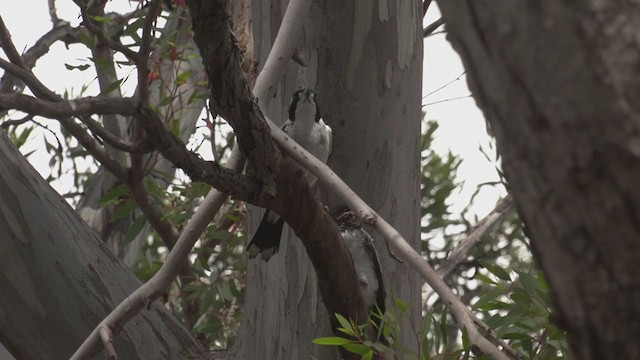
(100, 18)
(356, 348)
(333, 340)
(113, 195)
(499, 272)
(132, 28)
(116, 84)
(22, 138)
(182, 78)
(466, 343)
(124, 210)
(79, 67)
(401, 306)
(135, 228)
(347, 327)
(220, 235)
(368, 355)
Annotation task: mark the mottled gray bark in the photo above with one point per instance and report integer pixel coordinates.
(58, 280)
(365, 62)
(558, 83)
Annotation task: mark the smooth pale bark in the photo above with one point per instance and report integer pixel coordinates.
(375, 99)
(559, 83)
(58, 280)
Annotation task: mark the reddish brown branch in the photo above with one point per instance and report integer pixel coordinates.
(230, 92)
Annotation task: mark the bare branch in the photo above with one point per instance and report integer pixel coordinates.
(140, 147)
(231, 96)
(7, 123)
(459, 254)
(63, 31)
(158, 136)
(425, 7)
(432, 27)
(10, 83)
(288, 34)
(92, 146)
(53, 14)
(28, 78)
(8, 47)
(106, 335)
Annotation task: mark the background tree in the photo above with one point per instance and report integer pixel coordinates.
(557, 85)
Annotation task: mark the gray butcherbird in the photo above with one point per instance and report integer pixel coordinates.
(307, 129)
(367, 266)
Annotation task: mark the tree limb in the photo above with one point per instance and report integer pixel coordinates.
(432, 27)
(231, 96)
(458, 255)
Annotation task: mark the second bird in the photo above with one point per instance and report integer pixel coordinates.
(307, 128)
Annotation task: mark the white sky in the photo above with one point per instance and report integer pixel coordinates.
(462, 128)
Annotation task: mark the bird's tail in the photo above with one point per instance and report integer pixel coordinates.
(266, 240)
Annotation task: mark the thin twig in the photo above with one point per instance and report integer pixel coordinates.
(53, 14)
(16, 122)
(444, 86)
(447, 100)
(140, 147)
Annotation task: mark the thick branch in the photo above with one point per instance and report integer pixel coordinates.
(158, 136)
(232, 98)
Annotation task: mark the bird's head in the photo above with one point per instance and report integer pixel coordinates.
(304, 105)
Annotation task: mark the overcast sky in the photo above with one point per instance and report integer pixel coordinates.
(462, 127)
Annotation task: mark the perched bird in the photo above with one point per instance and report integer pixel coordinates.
(307, 128)
(367, 265)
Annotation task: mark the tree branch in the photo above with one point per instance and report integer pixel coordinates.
(432, 27)
(459, 254)
(8, 47)
(231, 96)
(158, 136)
(425, 6)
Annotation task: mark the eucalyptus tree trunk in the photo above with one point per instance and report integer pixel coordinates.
(58, 280)
(559, 84)
(365, 61)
